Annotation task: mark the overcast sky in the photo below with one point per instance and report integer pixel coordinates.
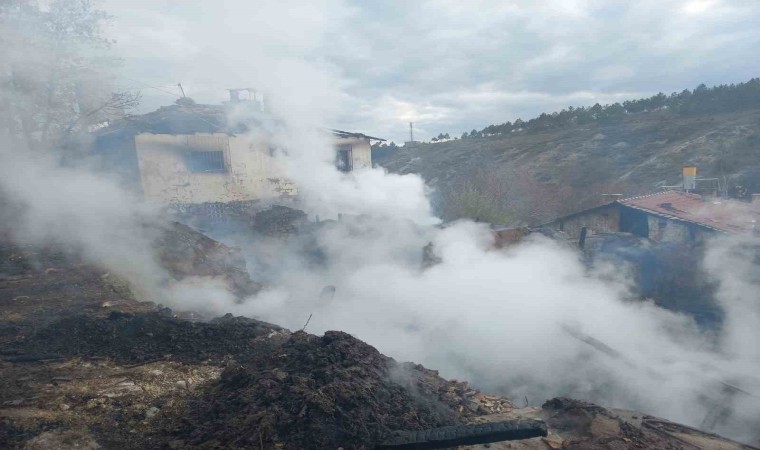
(447, 65)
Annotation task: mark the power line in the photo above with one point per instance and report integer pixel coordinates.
(173, 94)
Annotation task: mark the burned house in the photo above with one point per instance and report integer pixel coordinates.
(649, 237)
(192, 154)
(672, 216)
(352, 150)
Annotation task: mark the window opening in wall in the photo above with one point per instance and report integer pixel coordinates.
(634, 222)
(213, 161)
(344, 160)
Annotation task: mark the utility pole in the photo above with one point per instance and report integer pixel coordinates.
(181, 89)
(411, 133)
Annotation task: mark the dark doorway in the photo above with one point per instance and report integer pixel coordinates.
(634, 221)
(344, 159)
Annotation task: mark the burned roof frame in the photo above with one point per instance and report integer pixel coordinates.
(348, 134)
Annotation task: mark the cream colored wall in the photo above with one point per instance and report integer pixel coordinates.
(252, 173)
(360, 149)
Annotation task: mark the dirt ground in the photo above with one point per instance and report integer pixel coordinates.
(84, 364)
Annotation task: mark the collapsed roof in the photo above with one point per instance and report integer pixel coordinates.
(348, 134)
(184, 117)
(188, 117)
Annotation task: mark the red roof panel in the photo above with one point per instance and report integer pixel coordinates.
(726, 215)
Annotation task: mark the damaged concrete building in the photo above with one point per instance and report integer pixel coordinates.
(191, 154)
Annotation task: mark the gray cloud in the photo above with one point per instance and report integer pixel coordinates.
(447, 65)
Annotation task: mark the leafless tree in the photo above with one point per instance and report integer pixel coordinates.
(57, 78)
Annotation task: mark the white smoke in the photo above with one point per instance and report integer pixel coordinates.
(79, 210)
(525, 321)
(516, 321)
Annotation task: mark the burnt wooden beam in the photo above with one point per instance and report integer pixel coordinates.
(452, 436)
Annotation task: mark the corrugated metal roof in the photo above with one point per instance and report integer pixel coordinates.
(347, 134)
(719, 214)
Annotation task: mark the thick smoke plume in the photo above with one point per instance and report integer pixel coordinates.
(531, 321)
(56, 205)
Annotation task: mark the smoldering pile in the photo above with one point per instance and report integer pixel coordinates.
(278, 220)
(184, 252)
(300, 391)
(143, 337)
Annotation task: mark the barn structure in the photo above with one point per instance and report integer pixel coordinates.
(670, 216)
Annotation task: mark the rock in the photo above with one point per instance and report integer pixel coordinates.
(182, 384)
(64, 407)
(95, 402)
(151, 412)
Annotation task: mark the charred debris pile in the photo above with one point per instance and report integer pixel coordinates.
(133, 338)
(184, 252)
(282, 389)
(303, 391)
(97, 366)
(276, 389)
(85, 364)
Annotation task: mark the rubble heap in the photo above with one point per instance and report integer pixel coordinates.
(140, 337)
(457, 395)
(300, 391)
(278, 221)
(184, 252)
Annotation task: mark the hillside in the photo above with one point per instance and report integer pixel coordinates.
(531, 176)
